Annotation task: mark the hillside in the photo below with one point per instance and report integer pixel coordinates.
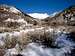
(13, 18)
(66, 17)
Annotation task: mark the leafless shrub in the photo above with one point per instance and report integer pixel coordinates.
(41, 37)
(10, 41)
(2, 52)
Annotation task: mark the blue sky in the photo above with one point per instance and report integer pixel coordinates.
(39, 6)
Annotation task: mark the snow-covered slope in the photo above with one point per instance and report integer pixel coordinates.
(9, 8)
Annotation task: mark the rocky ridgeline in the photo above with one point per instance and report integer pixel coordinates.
(66, 17)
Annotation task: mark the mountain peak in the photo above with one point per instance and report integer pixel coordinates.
(9, 8)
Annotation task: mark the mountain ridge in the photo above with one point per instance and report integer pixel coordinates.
(65, 17)
(11, 17)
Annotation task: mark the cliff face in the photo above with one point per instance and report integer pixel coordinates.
(66, 17)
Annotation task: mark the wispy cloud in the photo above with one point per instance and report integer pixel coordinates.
(39, 15)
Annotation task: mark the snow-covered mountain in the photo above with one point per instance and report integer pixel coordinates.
(9, 8)
(39, 15)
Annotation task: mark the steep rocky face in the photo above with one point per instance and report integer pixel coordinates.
(66, 17)
(12, 18)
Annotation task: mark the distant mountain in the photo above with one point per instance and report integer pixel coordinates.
(66, 17)
(12, 18)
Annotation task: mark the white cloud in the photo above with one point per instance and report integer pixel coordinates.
(39, 15)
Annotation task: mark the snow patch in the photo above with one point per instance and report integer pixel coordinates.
(19, 20)
(11, 52)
